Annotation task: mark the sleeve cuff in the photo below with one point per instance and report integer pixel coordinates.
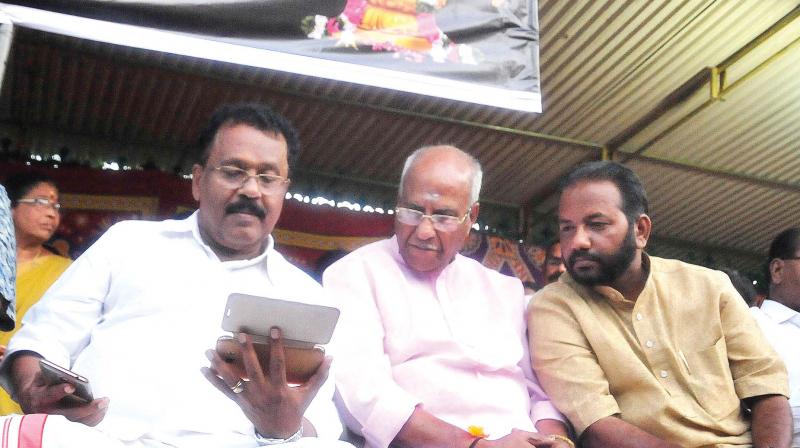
(589, 412)
(545, 410)
(391, 411)
(51, 352)
(771, 385)
(43, 350)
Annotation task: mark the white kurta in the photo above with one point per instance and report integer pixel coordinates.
(781, 326)
(136, 313)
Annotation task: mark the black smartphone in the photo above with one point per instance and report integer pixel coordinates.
(55, 374)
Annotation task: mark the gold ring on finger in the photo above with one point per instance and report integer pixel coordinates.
(239, 386)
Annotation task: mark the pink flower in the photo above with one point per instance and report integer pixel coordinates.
(426, 26)
(332, 27)
(354, 10)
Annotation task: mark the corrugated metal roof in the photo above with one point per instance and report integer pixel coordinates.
(715, 210)
(608, 63)
(753, 131)
(727, 178)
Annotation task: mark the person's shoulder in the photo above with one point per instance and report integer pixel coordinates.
(293, 283)
(472, 274)
(290, 274)
(372, 254)
(136, 235)
(692, 277)
(136, 226)
(556, 293)
(671, 266)
(476, 268)
(122, 231)
(667, 265)
(374, 249)
(763, 319)
(59, 261)
(775, 312)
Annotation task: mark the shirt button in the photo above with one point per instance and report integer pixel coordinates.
(638, 316)
(664, 374)
(650, 344)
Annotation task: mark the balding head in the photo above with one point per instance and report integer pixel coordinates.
(450, 154)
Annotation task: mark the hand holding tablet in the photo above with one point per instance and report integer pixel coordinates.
(304, 327)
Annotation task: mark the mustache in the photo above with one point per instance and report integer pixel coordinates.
(243, 206)
(584, 254)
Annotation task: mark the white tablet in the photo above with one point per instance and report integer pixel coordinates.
(299, 322)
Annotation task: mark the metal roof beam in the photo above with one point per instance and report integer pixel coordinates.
(793, 188)
(715, 77)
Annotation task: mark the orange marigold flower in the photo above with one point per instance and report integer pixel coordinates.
(476, 431)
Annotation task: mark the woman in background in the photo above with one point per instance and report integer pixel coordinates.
(35, 211)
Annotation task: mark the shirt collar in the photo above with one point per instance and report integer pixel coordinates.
(181, 225)
(779, 312)
(191, 225)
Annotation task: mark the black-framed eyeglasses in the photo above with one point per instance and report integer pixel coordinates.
(41, 202)
(235, 177)
(442, 223)
(787, 258)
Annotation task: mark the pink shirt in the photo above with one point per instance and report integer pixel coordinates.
(452, 341)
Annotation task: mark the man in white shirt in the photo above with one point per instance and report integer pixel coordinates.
(779, 315)
(139, 312)
(431, 349)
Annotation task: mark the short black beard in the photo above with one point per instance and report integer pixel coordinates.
(611, 266)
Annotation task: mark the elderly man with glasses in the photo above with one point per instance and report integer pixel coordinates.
(431, 347)
(138, 313)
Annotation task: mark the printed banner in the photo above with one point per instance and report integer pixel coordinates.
(480, 51)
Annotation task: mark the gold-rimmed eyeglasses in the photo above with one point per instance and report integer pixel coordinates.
(235, 177)
(442, 223)
(41, 202)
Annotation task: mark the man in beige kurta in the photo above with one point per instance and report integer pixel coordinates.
(639, 351)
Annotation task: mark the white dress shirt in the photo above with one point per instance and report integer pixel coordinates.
(781, 326)
(135, 315)
(453, 341)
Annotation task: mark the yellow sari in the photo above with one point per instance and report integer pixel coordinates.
(33, 279)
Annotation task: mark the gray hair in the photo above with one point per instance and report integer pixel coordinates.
(477, 171)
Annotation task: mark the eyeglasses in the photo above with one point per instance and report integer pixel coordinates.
(787, 258)
(41, 202)
(442, 223)
(234, 177)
